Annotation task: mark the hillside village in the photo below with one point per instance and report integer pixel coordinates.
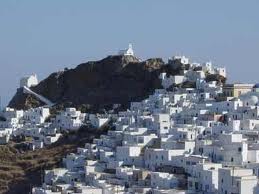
(194, 135)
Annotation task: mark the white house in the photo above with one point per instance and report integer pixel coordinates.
(130, 155)
(70, 119)
(36, 115)
(237, 180)
(163, 180)
(29, 81)
(204, 178)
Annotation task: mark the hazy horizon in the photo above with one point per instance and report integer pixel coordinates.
(46, 36)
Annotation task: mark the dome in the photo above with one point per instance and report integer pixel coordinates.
(256, 85)
(252, 100)
(249, 100)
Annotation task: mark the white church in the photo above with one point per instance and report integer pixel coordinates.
(127, 52)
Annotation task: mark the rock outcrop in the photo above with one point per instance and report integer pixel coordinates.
(97, 84)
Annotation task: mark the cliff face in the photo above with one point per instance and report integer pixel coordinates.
(98, 84)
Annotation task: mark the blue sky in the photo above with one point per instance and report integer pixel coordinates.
(45, 36)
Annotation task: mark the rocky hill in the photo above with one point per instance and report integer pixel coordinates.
(97, 84)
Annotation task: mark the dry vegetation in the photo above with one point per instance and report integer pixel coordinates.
(19, 170)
